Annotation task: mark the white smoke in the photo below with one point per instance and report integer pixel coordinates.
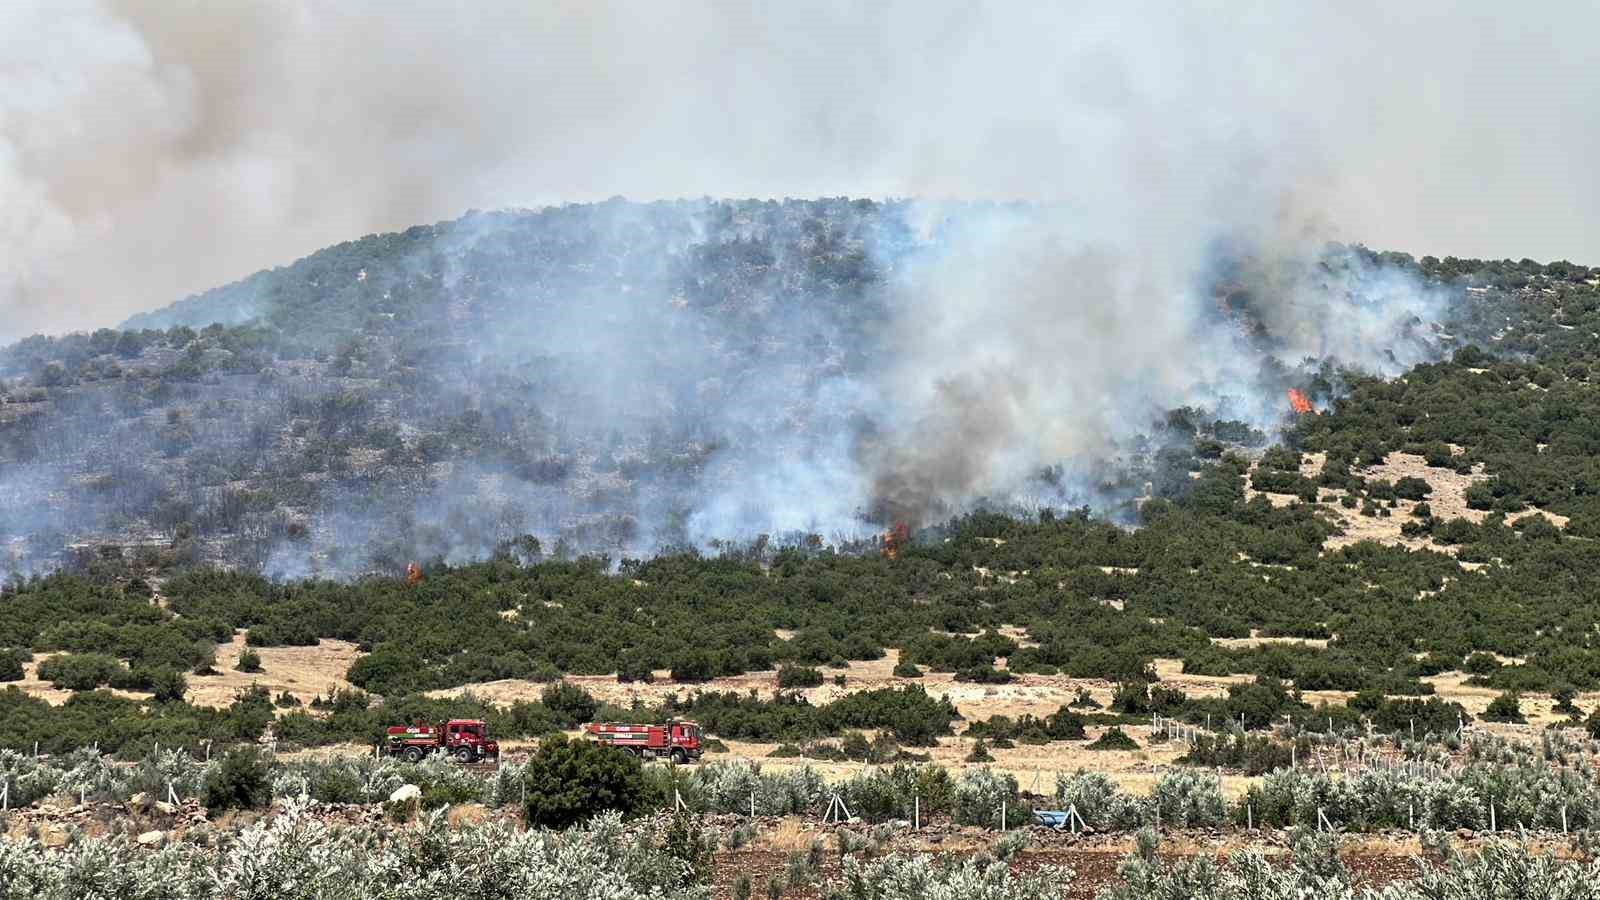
(150, 148)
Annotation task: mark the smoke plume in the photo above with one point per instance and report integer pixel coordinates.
(1181, 170)
(150, 149)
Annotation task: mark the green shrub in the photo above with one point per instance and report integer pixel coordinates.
(905, 668)
(249, 660)
(569, 705)
(985, 675)
(790, 677)
(694, 666)
(685, 839)
(80, 671)
(1412, 488)
(10, 666)
(980, 753)
(568, 781)
(241, 780)
(634, 668)
(1505, 708)
(168, 685)
(1114, 739)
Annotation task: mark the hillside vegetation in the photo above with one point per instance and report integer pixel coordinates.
(321, 419)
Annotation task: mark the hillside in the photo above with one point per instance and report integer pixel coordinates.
(1428, 533)
(568, 373)
(624, 378)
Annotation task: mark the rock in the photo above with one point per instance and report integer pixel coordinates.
(165, 808)
(405, 793)
(139, 799)
(151, 839)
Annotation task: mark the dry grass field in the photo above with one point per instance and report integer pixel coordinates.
(305, 672)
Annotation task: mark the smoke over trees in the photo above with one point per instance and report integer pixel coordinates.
(624, 378)
(152, 149)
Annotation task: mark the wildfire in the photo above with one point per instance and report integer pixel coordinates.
(894, 539)
(1301, 404)
(413, 574)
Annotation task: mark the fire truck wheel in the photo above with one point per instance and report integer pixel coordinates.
(679, 757)
(413, 754)
(464, 755)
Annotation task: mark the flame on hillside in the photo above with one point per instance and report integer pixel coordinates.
(413, 574)
(1300, 402)
(894, 539)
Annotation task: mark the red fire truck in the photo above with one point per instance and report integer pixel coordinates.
(465, 739)
(676, 740)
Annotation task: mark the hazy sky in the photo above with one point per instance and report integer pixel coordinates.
(152, 149)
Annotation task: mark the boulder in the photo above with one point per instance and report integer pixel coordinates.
(151, 839)
(405, 793)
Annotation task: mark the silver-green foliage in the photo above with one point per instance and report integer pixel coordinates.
(294, 856)
(1500, 871)
(29, 779)
(1102, 805)
(923, 878)
(979, 795)
(1181, 798)
(729, 787)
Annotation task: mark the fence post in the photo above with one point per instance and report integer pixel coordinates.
(916, 812)
(1411, 817)
(1249, 817)
(1002, 815)
(1413, 729)
(752, 805)
(172, 795)
(1492, 826)
(35, 749)
(1563, 819)
(5, 794)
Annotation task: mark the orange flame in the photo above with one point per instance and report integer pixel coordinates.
(1301, 404)
(413, 574)
(894, 539)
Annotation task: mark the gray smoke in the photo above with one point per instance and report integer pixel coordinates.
(151, 148)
